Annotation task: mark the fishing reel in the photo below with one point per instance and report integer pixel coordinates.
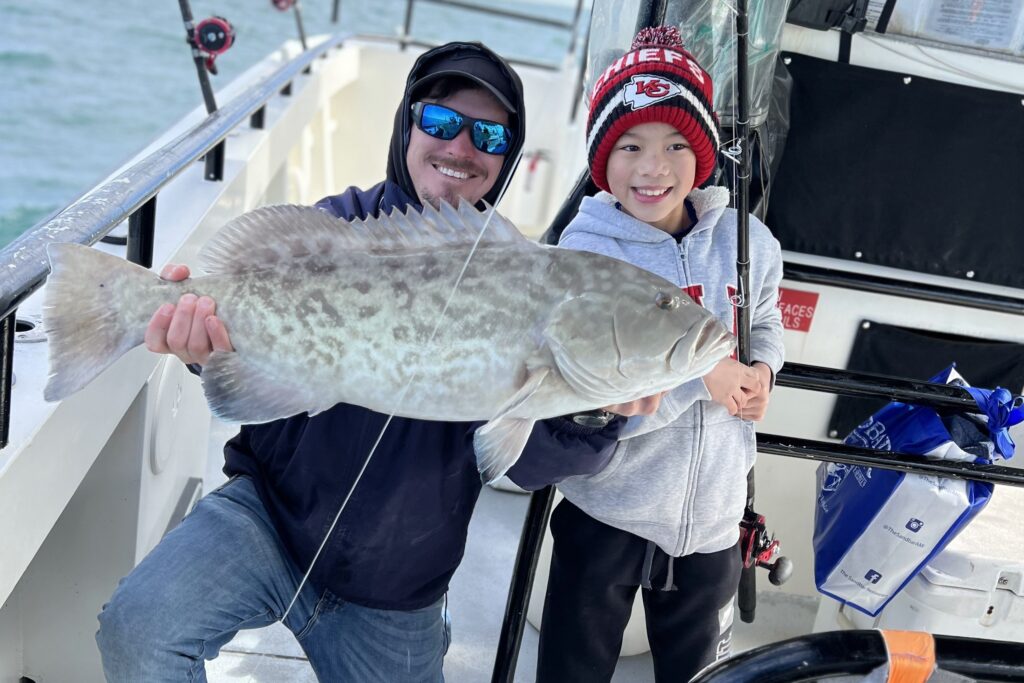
(283, 5)
(211, 38)
(760, 550)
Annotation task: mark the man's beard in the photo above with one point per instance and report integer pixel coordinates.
(451, 197)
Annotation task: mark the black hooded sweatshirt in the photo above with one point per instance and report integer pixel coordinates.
(403, 532)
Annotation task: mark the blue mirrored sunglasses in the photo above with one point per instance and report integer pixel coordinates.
(441, 122)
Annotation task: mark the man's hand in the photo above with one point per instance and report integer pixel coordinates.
(189, 330)
(757, 403)
(732, 384)
(642, 406)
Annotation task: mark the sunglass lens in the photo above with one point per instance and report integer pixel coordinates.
(492, 138)
(440, 122)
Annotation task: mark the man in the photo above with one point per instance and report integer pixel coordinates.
(372, 609)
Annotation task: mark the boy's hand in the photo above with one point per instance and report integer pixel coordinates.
(642, 406)
(757, 403)
(732, 383)
(189, 330)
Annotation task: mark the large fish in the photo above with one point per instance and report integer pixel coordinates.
(322, 311)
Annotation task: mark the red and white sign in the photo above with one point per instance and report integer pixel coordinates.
(797, 308)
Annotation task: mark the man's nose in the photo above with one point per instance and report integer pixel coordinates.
(462, 144)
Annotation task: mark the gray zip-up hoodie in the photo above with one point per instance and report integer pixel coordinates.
(678, 478)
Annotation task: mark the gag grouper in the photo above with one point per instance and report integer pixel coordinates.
(322, 311)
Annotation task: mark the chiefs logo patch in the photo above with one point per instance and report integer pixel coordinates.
(643, 91)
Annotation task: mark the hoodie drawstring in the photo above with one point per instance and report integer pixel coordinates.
(645, 573)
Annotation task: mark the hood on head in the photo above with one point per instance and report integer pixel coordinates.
(467, 60)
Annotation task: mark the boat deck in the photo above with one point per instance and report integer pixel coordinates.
(476, 603)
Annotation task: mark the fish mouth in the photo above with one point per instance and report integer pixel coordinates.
(686, 355)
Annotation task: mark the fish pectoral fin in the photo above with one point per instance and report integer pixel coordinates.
(500, 442)
(240, 391)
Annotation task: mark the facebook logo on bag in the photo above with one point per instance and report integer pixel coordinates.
(915, 524)
(872, 576)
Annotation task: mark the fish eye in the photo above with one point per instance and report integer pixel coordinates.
(666, 302)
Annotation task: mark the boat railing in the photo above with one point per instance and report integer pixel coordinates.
(571, 27)
(906, 289)
(131, 195)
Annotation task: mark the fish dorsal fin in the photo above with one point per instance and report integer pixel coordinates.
(303, 235)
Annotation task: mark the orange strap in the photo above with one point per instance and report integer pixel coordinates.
(911, 656)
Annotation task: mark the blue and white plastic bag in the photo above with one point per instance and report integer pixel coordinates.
(874, 529)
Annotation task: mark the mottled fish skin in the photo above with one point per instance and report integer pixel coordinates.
(322, 312)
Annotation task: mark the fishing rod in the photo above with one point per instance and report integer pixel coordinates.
(285, 5)
(752, 522)
(208, 39)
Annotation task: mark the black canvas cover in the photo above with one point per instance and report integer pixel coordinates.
(823, 14)
(918, 354)
(921, 175)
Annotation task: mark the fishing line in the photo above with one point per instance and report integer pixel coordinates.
(398, 405)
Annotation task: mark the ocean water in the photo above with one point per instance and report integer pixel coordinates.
(85, 85)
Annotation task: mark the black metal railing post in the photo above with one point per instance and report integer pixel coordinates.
(406, 25)
(523, 572)
(141, 230)
(336, 12)
(215, 163)
(6, 375)
(872, 385)
(258, 118)
(904, 289)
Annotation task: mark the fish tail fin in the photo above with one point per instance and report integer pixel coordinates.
(92, 308)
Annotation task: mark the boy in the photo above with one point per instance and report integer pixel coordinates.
(664, 514)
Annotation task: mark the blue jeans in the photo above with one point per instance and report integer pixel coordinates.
(224, 569)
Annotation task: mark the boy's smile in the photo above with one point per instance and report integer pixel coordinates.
(650, 171)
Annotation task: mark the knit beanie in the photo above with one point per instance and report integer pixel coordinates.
(657, 80)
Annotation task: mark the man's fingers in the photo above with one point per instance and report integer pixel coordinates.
(181, 325)
(156, 331)
(198, 340)
(175, 272)
(218, 334)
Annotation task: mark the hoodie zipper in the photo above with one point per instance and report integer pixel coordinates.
(686, 520)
